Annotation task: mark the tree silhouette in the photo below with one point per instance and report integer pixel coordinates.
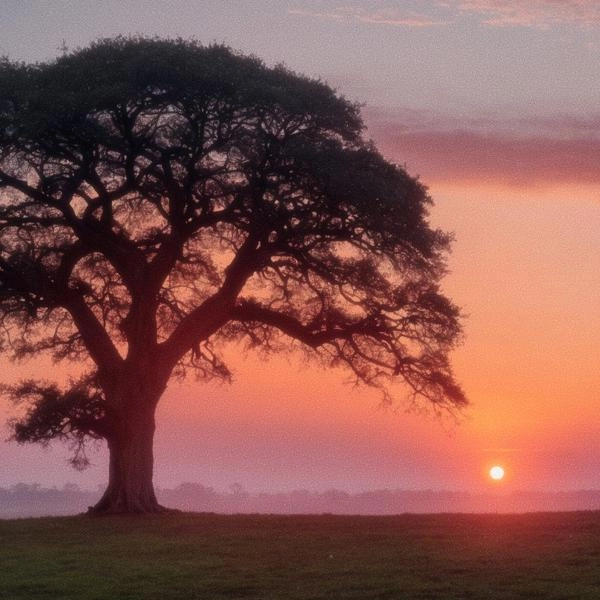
(158, 196)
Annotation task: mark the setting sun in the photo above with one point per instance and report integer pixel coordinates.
(497, 473)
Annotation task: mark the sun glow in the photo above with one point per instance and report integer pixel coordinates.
(497, 473)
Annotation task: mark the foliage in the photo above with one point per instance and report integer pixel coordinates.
(159, 197)
(73, 415)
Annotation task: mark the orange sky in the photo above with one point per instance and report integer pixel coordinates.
(497, 111)
(524, 269)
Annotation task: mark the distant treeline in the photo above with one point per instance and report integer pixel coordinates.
(31, 500)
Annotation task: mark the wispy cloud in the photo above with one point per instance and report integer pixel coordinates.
(391, 16)
(497, 13)
(520, 152)
(533, 13)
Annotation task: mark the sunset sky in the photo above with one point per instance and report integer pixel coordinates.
(496, 107)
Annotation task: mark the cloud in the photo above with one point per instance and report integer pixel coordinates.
(497, 13)
(522, 152)
(533, 13)
(390, 16)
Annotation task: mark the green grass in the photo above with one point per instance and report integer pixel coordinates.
(549, 556)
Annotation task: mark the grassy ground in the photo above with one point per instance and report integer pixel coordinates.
(548, 556)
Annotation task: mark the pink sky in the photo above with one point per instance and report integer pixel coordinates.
(495, 106)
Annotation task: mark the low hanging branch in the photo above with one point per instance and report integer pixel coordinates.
(74, 415)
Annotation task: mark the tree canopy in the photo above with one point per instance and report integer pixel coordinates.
(159, 197)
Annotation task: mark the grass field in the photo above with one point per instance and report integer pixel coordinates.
(549, 556)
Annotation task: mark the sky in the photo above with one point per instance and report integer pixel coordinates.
(495, 106)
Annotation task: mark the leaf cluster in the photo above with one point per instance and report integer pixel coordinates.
(75, 414)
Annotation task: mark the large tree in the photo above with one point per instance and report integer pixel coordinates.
(158, 196)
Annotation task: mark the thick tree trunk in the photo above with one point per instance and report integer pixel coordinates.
(130, 488)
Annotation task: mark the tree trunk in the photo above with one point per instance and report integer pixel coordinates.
(130, 488)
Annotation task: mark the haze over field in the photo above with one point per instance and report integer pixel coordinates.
(495, 106)
(23, 501)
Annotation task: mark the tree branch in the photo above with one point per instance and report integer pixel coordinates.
(313, 334)
(214, 312)
(96, 339)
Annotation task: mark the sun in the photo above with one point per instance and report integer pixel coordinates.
(497, 472)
